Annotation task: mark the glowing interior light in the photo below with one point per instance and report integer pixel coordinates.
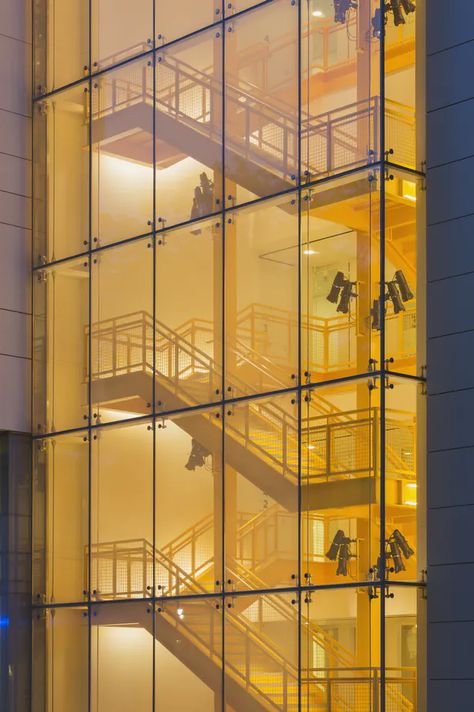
(310, 252)
(318, 13)
(311, 447)
(409, 190)
(410, 503)
(242, 99)
(180, 613)
(413, 485)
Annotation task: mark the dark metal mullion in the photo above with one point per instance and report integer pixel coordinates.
(153, 395)
(222, 300)
(382, 365)
(89, 384)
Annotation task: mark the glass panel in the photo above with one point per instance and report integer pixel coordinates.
(261, 493)
(121, 657)
(404, 486)
(122, 332)
(401, 87)
(340, 483)
(230, 8)
(122, 153)
(60, 650)
(261, 100)
(405, 608)
(261, 652)
(121, 558)
(261, 291)
(182, 17)
(404, 303)
(61, 310)
(189, 129)
(61, 518)
(189, 320)
(188, 655)
(340, 87)
(340, 650)
(120, 30)
(340, 277)
(61, 220)
(61, 38)
(188, 526)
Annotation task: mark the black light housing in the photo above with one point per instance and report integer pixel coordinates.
(398, 549)
(394, 295)
(340, 550)
(403, 286)
(197, 456)
(337, 285)
(341, 8)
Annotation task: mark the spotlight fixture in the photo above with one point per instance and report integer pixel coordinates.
(341, 291)
(341, 8)
(398, 292)
(197, 457)
(203, 197)
(340, 551)
(397, 8)
(398, 549)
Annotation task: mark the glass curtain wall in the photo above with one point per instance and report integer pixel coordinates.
(229, 281)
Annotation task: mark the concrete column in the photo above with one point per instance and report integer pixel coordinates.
(450, 326)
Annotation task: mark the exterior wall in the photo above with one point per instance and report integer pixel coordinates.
(450, 265)
(15, 208)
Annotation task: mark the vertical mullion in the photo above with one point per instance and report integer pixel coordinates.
(222, 347)
(382, 571)
(153, 394)
(89, 385)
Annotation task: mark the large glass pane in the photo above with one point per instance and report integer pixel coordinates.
(180, 18)
(122, 153)
(402, 77)
(61, 315)
(189, 129)
(61, 40)
(340, 650)
(405, 480)
(261, 102)
(188, 655)
(60, 653)
(188, 504)
(120, 29)
(340, 281)
(404, 272)
(261, 296)
(340, 456)
(189, 315)
(261, 652)
(340, 87)
(261, 493)
(405, 612)
(121, 551)
(121, 657)
(122, 332)
(61, 518)
(61, 161)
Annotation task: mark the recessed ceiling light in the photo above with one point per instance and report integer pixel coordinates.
(310, 252)
(318, 13)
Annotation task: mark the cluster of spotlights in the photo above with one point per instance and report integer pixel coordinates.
(398, 292)
(398, 549)
(397, 8)
(340, 551)
(341, 293)
(341, 8)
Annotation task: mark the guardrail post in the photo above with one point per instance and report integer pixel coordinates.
(376, 691)
(328, 694)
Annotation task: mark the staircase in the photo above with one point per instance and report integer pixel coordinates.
(261, 438)
(258, 675)
(264, 131)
